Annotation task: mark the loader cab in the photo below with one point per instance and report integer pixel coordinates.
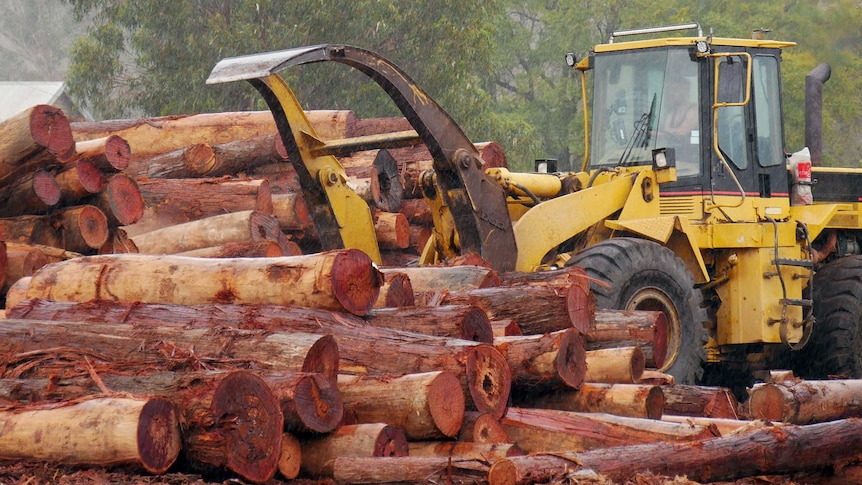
(716, 102)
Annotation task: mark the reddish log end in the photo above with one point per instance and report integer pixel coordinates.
(476, 326)
(46, 188)
(489, 380)
(3, 262)
(117, 152)
(318, 404)
(355, 281)
(93, 226)
(571, 360)
(253, 441)
(323, 358)
(446, 402)
(91, 178)
(50, 128)
(158, 436)
(124, 199)
(580, 308)
(263, 203)
(493, 155)
(391, 442)
(199, 158)
(397, 291)
(654, 403)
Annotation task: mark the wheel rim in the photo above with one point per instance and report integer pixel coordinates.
(653, 299)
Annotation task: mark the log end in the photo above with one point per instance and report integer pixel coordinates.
(91, 178)
(356, 281)
(50, 128)
(199, 159)
(93, 226)
(654, 403)
(767, 402)
(318, 403)
(489, 380)
(476, 326)
(397, 291)
(46, 188)
(503, 472)
(571, 360)
(323, 358)
(391, 442)
(446, 403)
(124, 199)
(118, 153)
(290, 458)
(580, 308)
(253, 437)
(263, 201)
(158, 435)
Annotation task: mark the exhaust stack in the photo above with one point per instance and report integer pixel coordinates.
(814, 81)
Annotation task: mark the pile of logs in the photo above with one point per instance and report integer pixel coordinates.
(184, 318)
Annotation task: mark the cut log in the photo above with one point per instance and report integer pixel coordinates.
(207, 197)
(706, 401)
(21, 260)
(120, 200)
(217, 230)
(310, 403)
(558, 278)
(624, 328)
(425, 406)
(17, 292)
(544, 361)
(546, 430)
(342, 280)
(783, 449)
(417, 211)
(464, 450)
(623, 365)
(396, 292)
(142, 432)
(506, 328)
(156, 217)
(366, 440)
(109, 154)
(408, 469)
(428, 279)
(34, 139)
(85, 228)
(725, 426)
(79, 181)
(631, 400)
(458, 321)
(252, 249)
(537, 309)
(34, 193)
(392, 230)
(32, 229)
(482, 428)
(148, 136)
(45, 348)
(292, 213)
(291, 456)
(806, 401)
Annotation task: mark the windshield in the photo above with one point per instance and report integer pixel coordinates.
(643, 100)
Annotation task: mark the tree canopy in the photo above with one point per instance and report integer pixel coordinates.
(497, 66)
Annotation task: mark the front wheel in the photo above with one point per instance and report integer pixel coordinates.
(835, 348)
(644, 275)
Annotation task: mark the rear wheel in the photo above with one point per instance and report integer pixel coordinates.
(836, 342)
(644, 275)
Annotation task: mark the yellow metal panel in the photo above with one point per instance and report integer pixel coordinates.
(752, 235)
(751, 300)
(552, 222)
(670, 41)
(658, 229)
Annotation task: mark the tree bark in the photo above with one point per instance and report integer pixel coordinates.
(408, 469)
(545, 430)
(367, 440)
(252, 249)
(17, 292)
(156, 217)
(343, 280)
(548, 360)
(464, 450)
(806, 401)
(623, 365)
(429, 279)
(630, 400)
(537, 309)
(784, 449)
(100, 431)
(40, 348)
(457, 321)
(34, 139)
(710, 402)
(427, 405)
(725, 426)
(200, 198)
(216, 230)
(628, 328)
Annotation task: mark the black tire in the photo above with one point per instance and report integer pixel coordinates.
(644, 275)
(835, 348)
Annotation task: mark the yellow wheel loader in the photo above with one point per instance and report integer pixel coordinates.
(687, 202)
